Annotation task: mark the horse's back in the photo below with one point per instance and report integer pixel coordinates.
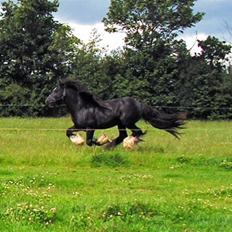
(128, 109)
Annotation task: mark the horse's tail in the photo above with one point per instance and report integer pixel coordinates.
(161, 120)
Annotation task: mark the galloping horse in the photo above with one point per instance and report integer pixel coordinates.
(89, 113)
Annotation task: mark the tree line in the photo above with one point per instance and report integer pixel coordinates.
(154, 66)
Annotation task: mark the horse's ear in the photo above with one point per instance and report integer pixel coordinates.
(61, 83)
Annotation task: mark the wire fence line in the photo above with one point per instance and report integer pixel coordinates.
(64, 129)
(156, 106)
(79, 129)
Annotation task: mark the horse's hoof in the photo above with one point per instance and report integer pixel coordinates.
(77, 139)
(103, 139)
(130, 143)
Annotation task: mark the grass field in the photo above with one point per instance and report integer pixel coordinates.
(48, 184)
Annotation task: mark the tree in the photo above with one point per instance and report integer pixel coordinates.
(35, 50)
(214, 52)
(147, 22)
(205, 82)
(151, 52)
(88, 64)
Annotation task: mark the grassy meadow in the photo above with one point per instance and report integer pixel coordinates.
(49, 184)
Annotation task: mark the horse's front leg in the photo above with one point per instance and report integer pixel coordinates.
(90, 140)
(122, 135)
(70, 131)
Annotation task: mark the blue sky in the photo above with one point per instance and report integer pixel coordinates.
(217, 13)
(84, 15)
(83, 11)
(92, 11)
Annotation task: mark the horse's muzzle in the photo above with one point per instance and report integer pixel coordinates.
(50, 102)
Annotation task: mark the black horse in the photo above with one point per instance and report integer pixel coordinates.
(88, 113)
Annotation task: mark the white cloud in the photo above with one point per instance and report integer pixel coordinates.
(113, 41)
(110, 41)
(116, 40)
(191, 42)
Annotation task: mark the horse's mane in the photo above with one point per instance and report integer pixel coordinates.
(84, 92)
(75, 84)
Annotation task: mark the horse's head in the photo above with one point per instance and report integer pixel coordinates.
(72, 92)
(57, 95)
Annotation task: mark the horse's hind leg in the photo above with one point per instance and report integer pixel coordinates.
(70, 131)
(136, 131)
(120, 138)
(89, 138)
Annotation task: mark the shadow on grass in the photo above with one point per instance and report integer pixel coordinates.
(152, 149)
(110, 160)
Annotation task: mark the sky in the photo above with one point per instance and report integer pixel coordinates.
(85, 15)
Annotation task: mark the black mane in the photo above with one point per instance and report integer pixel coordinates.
(83, 91)
(75, 84)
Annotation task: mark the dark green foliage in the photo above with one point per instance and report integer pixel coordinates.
(158, 68)
(149, 63)
(214, 51)
(154, 66)
(88, 65)
(148, 22)
(204, 82)
(36, 51)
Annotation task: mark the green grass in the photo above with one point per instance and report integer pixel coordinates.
(49, 184)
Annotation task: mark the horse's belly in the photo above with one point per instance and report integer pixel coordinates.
(101, 121)
(104, 124)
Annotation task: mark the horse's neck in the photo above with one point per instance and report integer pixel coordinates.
(73, 102)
